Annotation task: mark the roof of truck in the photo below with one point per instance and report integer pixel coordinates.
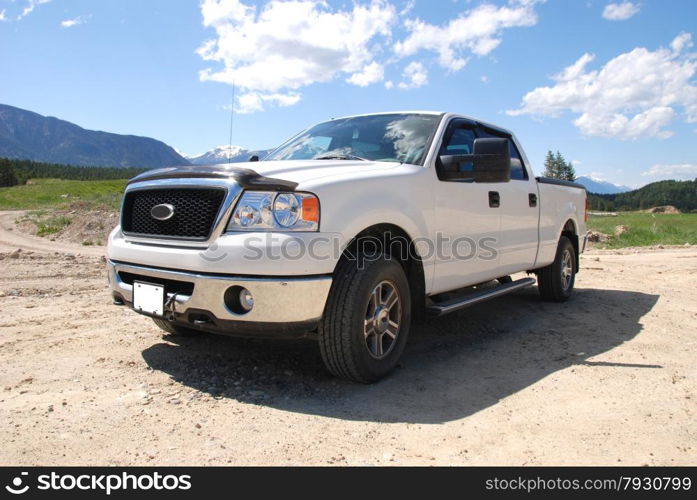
(434, 113)
(412, 112)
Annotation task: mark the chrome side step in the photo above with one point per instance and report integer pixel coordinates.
(471, 299)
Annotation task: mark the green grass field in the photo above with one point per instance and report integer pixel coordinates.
(646, 229)
(56, 193)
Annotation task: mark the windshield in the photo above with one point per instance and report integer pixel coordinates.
(395, 137)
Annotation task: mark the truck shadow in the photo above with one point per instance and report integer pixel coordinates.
(453, 367)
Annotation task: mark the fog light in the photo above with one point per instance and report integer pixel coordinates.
(246, 299)
(238, 300)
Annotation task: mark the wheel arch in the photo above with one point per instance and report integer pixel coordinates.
(399, 244)
(570, 230)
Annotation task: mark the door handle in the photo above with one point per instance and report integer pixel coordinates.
(532, 197)
(494, 199)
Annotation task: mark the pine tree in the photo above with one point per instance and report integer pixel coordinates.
(557, 167)
(567, 171)
(7, 175)
(550, 165)
(570, 172)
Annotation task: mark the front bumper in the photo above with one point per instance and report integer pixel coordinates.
(198, 299)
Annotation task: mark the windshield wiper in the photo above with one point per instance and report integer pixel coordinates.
(336, 156)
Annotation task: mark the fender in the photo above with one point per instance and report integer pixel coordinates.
(412, 224)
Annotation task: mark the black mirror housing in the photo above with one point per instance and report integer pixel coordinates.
(491, 162)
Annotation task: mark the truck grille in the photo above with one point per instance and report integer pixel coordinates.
(195, 211)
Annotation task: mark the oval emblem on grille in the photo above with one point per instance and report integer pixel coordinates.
(164, 211)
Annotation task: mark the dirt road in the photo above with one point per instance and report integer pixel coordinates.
(11, 238)
(608, 378)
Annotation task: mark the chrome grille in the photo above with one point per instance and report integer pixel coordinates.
(195, 212)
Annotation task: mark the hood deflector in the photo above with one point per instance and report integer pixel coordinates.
(245, 177)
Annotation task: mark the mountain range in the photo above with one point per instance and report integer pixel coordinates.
(599, 186)
(31, 136)
(28, 135)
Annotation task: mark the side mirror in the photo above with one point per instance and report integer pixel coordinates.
(253, 158)
(490, 162)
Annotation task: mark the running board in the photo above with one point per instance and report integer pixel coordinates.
(471, 299)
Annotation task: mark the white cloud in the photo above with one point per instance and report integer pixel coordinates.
(681, 42)
(649, 123)
(272, 51)
(683, 171)
(477, 31)
(2, 15)
(251, 102)
(408, 7)
(620, 11)
(371, 73)
(276, 48)
(69, 23)
(29, 7)
(415, 76)
(635, 95)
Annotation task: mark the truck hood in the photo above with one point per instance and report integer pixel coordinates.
(273, 175)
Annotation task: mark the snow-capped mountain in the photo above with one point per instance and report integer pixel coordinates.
(225, 154)
(221, 154)
(599, 186)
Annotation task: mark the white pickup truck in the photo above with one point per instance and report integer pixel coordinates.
(347, 233)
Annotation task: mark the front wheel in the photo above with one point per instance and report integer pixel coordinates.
(366, 321)
(556, 281)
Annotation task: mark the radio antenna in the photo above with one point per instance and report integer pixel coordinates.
(232, 116)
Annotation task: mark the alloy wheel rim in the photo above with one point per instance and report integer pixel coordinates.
(382, 320)
(567, 270)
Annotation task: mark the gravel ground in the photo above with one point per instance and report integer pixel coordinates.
(608, 378)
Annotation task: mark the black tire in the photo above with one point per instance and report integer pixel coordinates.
(175, 329)
(347, 351)
(554, 281)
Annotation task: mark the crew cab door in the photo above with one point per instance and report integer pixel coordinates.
(467, 219)
(520, 212)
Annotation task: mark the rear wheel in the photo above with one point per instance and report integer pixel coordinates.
(175, 329)
(366, 321)
(556, 281)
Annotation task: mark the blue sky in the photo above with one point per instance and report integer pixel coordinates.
(611, 84)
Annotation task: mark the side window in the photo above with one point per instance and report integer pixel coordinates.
(461, 142)
(518, 172)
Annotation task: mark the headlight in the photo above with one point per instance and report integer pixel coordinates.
(272, 211)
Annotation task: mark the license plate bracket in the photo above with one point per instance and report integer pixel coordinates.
(149, 298)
